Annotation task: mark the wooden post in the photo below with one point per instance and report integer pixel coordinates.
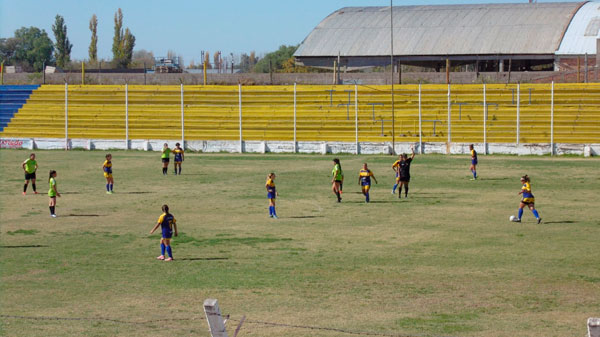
(213, 317)
(204, 71)
(82, 72)
(585, 62)
(399, 72)
(447, 71)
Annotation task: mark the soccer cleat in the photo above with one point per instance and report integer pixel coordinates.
(107, 192)
(270, 215)
(111, 192)
(53, 215)
(516, 220)
(393, 192)
(169, 259)
(275, 216)
(24, 193)
(539, 220)
(35, 192)
(162, 257)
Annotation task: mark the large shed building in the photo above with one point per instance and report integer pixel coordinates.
(525, 36)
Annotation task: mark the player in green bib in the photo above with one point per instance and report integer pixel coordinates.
(52, 192)
(166, 152)
(30, 166)
(338, 176)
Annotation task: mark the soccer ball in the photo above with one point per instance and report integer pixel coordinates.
(512, 218)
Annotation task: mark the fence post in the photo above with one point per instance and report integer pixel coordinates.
(66, 116)
(214, 318)
(449, 122)
(518, 112)
(484, 121)
(182, 121)
(420, 123)
(356, 117)
(552, 120)
(295, 140)
(240, 108)
(126, 116)
(82, 72)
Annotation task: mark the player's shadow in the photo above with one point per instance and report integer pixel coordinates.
(371, 202)
(90, 215)
(559, 222)
(493, 178)
(25, 246)
(70, 193)
(305, 217)
(137, 192)
(203, 258)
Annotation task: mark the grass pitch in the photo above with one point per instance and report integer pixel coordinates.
(446, 261)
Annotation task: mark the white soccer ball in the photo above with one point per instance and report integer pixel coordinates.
(512, 218)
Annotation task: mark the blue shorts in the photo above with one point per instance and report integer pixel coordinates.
(271, 195)
(167, 233)
(473, 161)
(365, 184)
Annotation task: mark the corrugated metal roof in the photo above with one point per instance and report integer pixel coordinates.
(484, 29)
(580, 37)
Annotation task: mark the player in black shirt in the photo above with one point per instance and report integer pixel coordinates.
(404, 169)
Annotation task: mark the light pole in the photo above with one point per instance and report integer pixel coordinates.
(231, 62)
(392, 74)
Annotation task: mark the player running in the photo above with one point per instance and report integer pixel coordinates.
(168, 224)
(107, 168)
(364, 180)
(402, 169)
(337, 179)
(527, 200)
(30, 166)
(52, 193)
(166, 152)
(179, 157)
(473, 166)
(271, 194)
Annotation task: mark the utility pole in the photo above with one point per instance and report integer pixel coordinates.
(392, 74)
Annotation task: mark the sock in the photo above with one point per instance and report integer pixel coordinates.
(111, 187)
(24, 188)
(179, 170)
(394, 189)
(164, 170)
(520, 213)
(107, 187)
(474, 174)
(33, 185)
(367, 196)
(270, 210)
(169, 251)
(405, 190)
(52, 209)
(274, 213)
(535, 212)
(175, 170)
(338, 196)
(162, 249)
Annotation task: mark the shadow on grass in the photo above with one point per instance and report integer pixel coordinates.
(27, 246)
(86, 215)
(305, 217)
(136, 192)
(493, 178)
(558, 222)
(70, 192)
(202, 258)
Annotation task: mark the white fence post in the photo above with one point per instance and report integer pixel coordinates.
(295, 140)
(214, 318)
(420, 123)
(182, 121)
(449, 122)
(484, 121)
(240, 108)
(518, 112)
(552, 120)
(356, 117)
(66, 116)
(126, 117)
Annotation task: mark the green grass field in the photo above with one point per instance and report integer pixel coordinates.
(445, 262)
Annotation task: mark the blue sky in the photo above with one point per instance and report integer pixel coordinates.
(187, 27)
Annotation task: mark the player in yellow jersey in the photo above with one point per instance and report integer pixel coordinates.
(168, 225)
(337, 179)
(364, 180)
(107, 168)
(52, 193)
(178, 157)
(527, 200)
(473, 166)
(166, 152)
(271, 194)
(30, 166)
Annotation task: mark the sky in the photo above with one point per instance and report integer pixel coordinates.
(188, 27)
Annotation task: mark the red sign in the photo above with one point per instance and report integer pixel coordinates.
(11, 144)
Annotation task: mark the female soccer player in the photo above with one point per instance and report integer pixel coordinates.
(107, 168)
(167, 223)
(165, 158)
(527, 200)
(271, 194)
(178, 154)
(338, 176)
(30, 166)
(52, 193)
(403, 172)
(364, 180)
(473, 166)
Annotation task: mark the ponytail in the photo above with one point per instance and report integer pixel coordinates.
(526, 178)
(165, 209)
(52, 172)
(337, 161)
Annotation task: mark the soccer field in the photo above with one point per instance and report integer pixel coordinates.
(444, 262)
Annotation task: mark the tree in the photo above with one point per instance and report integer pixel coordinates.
(276, 59)
(247, 62)
(141, 57)
(217, 60)
(8, 48)
(207, 60)
(93, 49)
(33, 48)
(63, 46)
(123, 43)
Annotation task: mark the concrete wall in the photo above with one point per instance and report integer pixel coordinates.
(280, 79)
(301, 147)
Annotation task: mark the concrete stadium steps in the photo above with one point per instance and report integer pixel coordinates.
(12, 98)
(212, 112)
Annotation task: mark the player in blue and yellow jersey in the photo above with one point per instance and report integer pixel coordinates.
(338, 177)
(107, 168)
(364, 180)
(271, 194)
(30, 166)
(402, 169)
(179, 157)
(527, 199)
(169, 226)
(473, 166)
(166, 152)
(52, 193)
